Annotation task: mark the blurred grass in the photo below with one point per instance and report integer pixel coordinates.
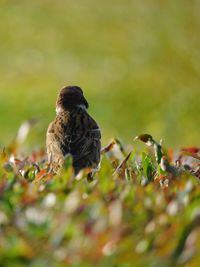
(137, 61)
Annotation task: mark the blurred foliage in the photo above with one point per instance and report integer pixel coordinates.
(141, 209)
(137, 61)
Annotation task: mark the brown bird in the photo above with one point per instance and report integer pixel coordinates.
(73, 132)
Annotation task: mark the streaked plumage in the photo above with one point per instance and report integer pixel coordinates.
(73, 132)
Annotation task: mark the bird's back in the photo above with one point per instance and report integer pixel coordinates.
(77, 133)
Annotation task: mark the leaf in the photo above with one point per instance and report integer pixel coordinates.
(68, 162)
(119, 143)
(147, 167)
(158, 152)
(184, 235)
(24, 129)
(191, 150)
(120, 170)
(149, 141)
(41, 175)
(146, 138)
(165, 166)
(108, 147)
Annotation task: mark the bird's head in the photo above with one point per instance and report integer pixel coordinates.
(70, 97)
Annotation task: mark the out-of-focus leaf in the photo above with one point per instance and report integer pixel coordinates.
(24, 129)
(191, 150)
(108, 147)
(120, 170)
(165, 166)
(149, 141)
(183, 237)
(158, 152)
(195, 172)
(119, 143)
(147, 167)
(146, 138)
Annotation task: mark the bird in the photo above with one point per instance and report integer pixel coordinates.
(73, 132)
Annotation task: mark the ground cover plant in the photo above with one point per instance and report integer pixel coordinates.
(142, 208)
(138, 63)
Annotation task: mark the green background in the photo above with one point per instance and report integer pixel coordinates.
(138, 63)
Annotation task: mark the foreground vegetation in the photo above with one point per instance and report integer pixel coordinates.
(138, 63)
(140, 209)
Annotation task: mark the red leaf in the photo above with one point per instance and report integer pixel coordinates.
(191, 150)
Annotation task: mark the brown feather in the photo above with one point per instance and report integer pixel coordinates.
(74, 132)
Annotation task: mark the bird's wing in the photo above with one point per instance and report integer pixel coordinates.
(53, 144)
(86, 141)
